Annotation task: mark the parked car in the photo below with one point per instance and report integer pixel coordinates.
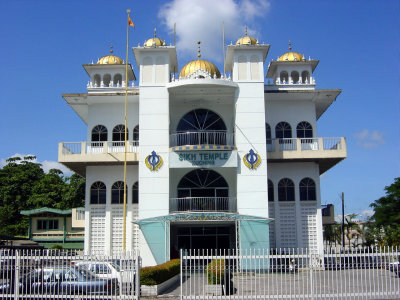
(67, 280)
(102, 269)
(395, 268)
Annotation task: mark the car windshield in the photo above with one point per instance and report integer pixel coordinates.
(115, 265)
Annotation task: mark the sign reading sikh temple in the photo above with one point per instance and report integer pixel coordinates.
(186, 159)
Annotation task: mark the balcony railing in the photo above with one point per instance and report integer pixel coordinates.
(71, 148)
(215, 138)
(227, 204)
(305, 144)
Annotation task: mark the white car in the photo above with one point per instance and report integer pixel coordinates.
(102, 269)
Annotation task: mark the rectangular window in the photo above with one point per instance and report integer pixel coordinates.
(41, 224)
(47, 224)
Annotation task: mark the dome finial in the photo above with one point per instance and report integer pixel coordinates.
(199, 53)
(245, 30)
(290, 45)
(155, 32)
(111, 49)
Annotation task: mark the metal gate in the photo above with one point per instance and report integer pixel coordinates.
(290, 274)
(46, 274)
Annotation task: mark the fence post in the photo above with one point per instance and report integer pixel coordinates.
(181, 255)
(16, 275)
(311, 275)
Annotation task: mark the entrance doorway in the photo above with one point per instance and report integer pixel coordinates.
(200, 237)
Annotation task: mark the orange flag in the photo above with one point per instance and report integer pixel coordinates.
(130, 23)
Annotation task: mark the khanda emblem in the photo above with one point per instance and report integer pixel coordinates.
(153, 161)
(252, 160)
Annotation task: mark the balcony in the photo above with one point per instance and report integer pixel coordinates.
(78, 155)
(327, 152)
(202, 140)
(202, 204)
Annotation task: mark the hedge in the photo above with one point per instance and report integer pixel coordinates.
(160, 273)
(216, 271)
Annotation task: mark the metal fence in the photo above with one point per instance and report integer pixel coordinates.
(290, 274)
(45, 274)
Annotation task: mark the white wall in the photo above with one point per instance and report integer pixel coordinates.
(292, 112)
(110, 115)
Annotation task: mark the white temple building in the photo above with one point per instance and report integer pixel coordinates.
(215, 160)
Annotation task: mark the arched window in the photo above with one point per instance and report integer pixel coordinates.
(270, 191)
(295, 76)
(99, 133)
(96, 78)
(285, 190)
(117, 80)
(304, 130)
(268, 132)
(200, 127)
(305, 77)
(118, 134)
(98, 193)
(135, 193)
(203, 190)
(107, 80)
(283, 130)
(202, 183)
(307, 190)
(284, 77)
(136, 135)
(117, 192)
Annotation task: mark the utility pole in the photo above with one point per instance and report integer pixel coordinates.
(343, 245)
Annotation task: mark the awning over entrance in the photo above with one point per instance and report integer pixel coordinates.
(253, 231)
(203, 216)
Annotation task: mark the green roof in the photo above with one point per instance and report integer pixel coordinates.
(46, 209)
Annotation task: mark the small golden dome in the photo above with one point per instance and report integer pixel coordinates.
(291, 56)
(110, 59)
(200, 64)
(155, 41)
(246, 40)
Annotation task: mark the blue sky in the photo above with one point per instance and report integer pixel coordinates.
(44, 44)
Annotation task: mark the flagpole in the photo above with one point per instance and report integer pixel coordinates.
(126, 130)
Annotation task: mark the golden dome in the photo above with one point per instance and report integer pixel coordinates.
(155, 41)
(200, 64)
(110, 59)
(291, 56)
(246, 39)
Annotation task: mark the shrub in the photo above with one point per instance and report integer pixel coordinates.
(160, 273)
(56, 247)
(216, 271)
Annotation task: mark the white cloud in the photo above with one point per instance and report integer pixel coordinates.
(202, 21)
(46, 164)
(367, 213)
(367, 139)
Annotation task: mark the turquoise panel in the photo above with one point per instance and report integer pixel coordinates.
(157, 236)
(254, 240)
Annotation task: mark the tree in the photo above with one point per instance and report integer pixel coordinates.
(17, 180)
(24, 185)
(386, 216)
